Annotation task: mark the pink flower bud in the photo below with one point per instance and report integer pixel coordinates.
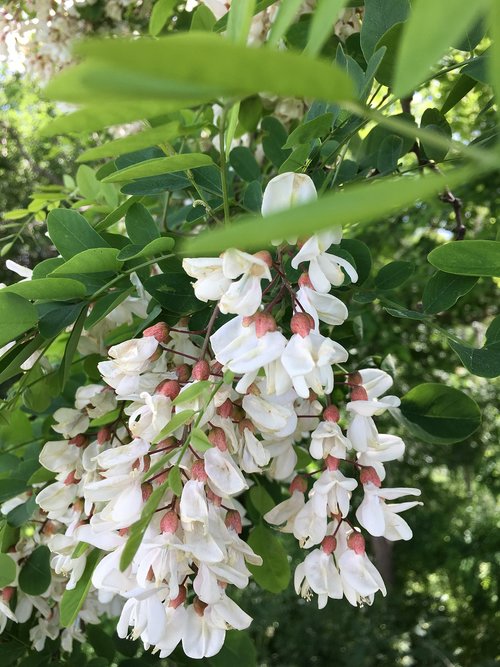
(169, 522)
(331, 413)
(356, 542)
(264, 323)
(305, 281)
(71, 478)
(265, 256)
(201, 370)
(213, 497)
(169, 388)
(159, 331)
(225, 409)
(302, 324)
(329, 544)
(147, 490)
(355, 378)
(104, 435)
(332, 463)
(298, 483)
(183, 372)
(198, 471)
(79, 440)
(218, 438)
(233, 520)
(358, 393)
(7, 593)
(369, 474)
(180, 599)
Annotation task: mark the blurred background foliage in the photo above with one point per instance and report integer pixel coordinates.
(442, 607)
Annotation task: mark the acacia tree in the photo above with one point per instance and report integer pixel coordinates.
(203, 397)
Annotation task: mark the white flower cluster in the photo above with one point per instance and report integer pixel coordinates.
(157, 458)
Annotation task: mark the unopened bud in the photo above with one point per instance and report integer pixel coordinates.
(159, 331)
(358, 393)
(169, 388)
(355, 378)
(298, 483)
(71, 478)
(218, 438)
(213, 497)
(265, 256)
(329, 544)
(332, 463)
(305, 281)
(356, 542)
(180, 599)
(331, 413)
(369, 474)
(302, 324)
(79, 440)
(183, 372)
(225, 409)
(199, 606)
(198, 471)
(233, 520)
(147, 490)
(7, 593)
(104, 435)
(169, 522)
(246, 423)
(201, 370)
(264, 323)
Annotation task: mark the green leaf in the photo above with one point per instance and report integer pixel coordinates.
(312, 129)
(71, 345)
(484, 361)
(47, 288)
(403, 313)
(199, 440)
(71, 233)
(389, 153)
(394, 274)
(101, 642)
(150, 137)
(159, 166)
(274, 573)
(179, 419)
(156, 247)
(390, 40)
(244, 163)
(357, 204)
(174, 480)
(17, 315)
(494, 64)
(379, 16)
(116, 215)
(273, 139)
(459, 90)
(55, 316)
(141, 228)
(434, 119)
(7, 570)
(87, 183)
(203, 19)
(206, 66)
(96, 260)
(239, 19)
(173, 291)
(287, 12)
(162, 11)
(467, 258)
(105, 304)
(22, 513)
(238, 648)
(443, 290)
(8, 536)
(424, 41)
(324, 18)
(72, 600)
(35, 575)
(439, 414)
(138, 529)
(192, 392)
(261, 499)
(493, 331)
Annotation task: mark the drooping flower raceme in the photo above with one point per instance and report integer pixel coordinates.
(187, 426)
